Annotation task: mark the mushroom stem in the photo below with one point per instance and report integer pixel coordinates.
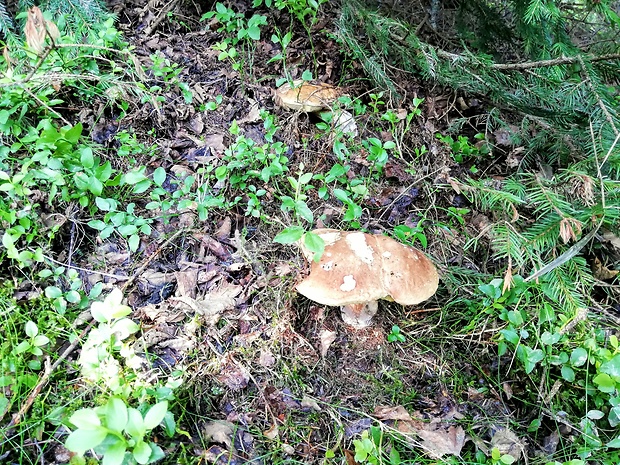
(359, 315)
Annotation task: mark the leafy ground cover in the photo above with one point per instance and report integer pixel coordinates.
(152, 190)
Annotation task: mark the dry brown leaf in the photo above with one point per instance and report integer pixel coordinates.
(219, 431)
(392, 413)
(350, 457)
(223, 231)
(507, 390)
(215, 142)
(162, 313)
(442, 442)
(35, 29)
(52, 30)
(186, 283)
(266, 358)
(272, 432)
(215, 246)
(196, 124)
(437, 439)
(309, 402)
(327, 337)
(602, 272)
(507, 442)
(7, 56)
(611, 238)
(233, 374)
(213, 304)
(254, 113)
(306, 97)
(508, 277)
(570, 228)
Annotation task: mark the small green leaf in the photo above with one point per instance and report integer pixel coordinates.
(548, 338)
(614, 443)
(612, 367)
(568, 374)
(254, 33)
(74, 133)
(52, 292)
(595, 414)
(155, 415)
(97, 224)
(306, 75)
(578, 357)
(315, 244)
(289, 235)
(31, 329)
(40, 340)
(534, 425)
(605, 383)
(116, 414)
(86, 157)
(142, 452)
(159, 176)
(85, 419)
(134, 177)
(73, 297)
(22, 347)
(135, 424)
(134, 242)
(114, 453)
(302, 209)
(82, 440)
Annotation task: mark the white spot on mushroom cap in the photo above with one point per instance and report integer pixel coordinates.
(387, 254)
(357, 243)
(348, 283)
(327, 266)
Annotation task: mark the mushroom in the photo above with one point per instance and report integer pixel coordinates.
(305, 96)
(357, 269)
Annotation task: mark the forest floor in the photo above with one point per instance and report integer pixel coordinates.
(268, 375)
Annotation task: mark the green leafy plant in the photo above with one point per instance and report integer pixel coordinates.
(461, 149)
(297, 203)
(69, 291)
(245, 163)
(396, 335)
(98, 358)
(372, 448)
(125, 223)
(245, 33)
(378, 152)
(33, 344)
(168, 72)
(410, 235)
(118, 432)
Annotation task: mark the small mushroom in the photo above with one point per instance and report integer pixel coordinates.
(305, 96)
(357, 269)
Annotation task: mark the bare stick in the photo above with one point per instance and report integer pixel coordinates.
(44, 379)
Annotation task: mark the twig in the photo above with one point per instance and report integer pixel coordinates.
(86, 270)
(553, 62)
(45, 105)
(160, 17)
(44, 379)
(151, 257)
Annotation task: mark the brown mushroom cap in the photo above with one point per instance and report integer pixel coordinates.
(305, 96)
(357, 267)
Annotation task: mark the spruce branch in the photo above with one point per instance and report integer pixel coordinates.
(603, 107)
